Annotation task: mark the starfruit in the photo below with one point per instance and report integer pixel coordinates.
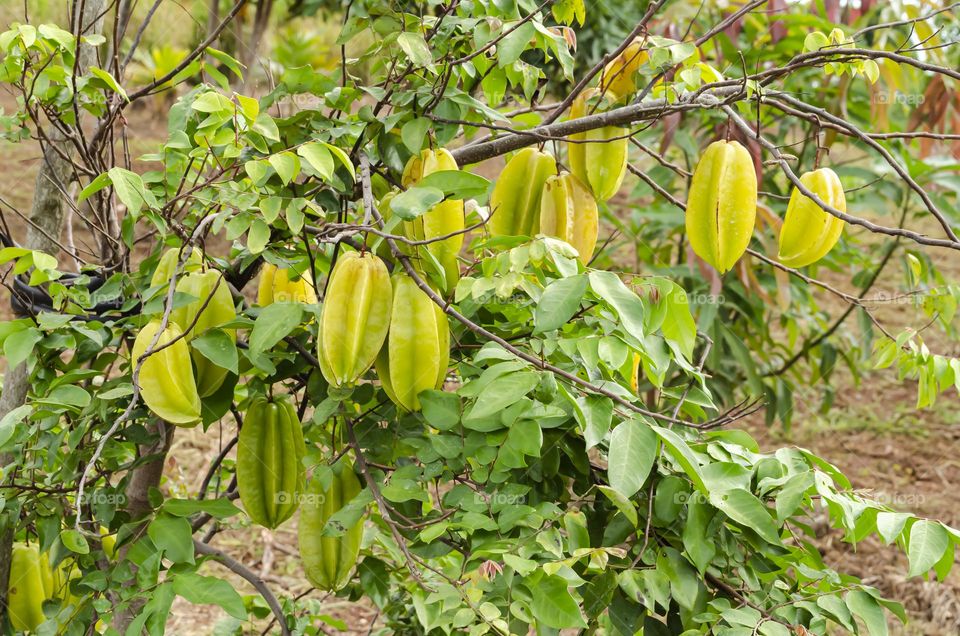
(198, 316)
(417, 350)
(618, 77)
(166, 378)
(31, 583)
(569, 212)
(328, 561)
(168, 265)
(515, 200)
(277, 286)
(442, 219)
(355, 317)
(809, 231)
(270, 472)
(722, 204)
(598, 157)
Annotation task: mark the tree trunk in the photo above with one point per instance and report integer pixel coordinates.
(43, 233)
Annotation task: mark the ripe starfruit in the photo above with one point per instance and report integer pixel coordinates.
(569, 212)
(355, 317)
(809, 231)
(31, 583)
(166, 379)
(598, 157)
(329, 561)
(277, 286)
(270, 472)
(168, 265)
(417, 351)
(515, 200)
(722, 204)
(618, 78)
(440, 220)
(201, 315)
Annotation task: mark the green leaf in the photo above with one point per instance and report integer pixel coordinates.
(416, 48)
(258, 236)
(928, 541)
(173, 536)
(553, 605)
(633, 449)
(515, 43)
(594, 414)
(456, 184)
(744, 508)
(108, 79)
(414, 133)
(130, 190)
(344, 160)
(441, 409)
(19, 347)
(627, 304)
(415, 202)
(74, 541)
(257, 170)
(10, 421)
(559, 302)
(697, 541)
(210, 590)
(683, 455)
(218, 508)
(286, 164)
(867, 609)
(273, 324)
(622, 503)
(99, 183)
(219, 348)
(319, 158)
(502, 392)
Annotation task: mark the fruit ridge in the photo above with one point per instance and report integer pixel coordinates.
(568, 212)
(515, 200)
(166, 376)
(598, 157)
(809, 231)
(276, 286)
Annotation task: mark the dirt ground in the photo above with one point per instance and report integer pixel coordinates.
(905, 457)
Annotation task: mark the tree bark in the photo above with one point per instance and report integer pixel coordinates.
(43, 233)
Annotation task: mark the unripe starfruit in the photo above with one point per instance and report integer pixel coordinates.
(166, 378)
(442, 219)
(355, 317)
(809, 231)
(276, 286)
(568, 212)
(515, 200)
(722, 204)
(213, 307)
(168, 265)
(598, 157)
(417, 350)
(31, 583)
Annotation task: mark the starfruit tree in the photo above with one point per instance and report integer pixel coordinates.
(433, 310)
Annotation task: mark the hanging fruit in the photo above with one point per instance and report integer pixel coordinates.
(417, 349)
(276, 286)
(722, 204)
(598, 157)
(201, 315)
(618, 77)
(168, 265)
(569, 212)
(515, 200)
(329, 561)
(166, 379)
(355, 317)
(440, 220)
(809, 231)
(31, 583)
(270, 472)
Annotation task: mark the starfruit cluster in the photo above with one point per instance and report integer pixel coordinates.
(174, 376)
(327, 560)
(809, 231)
(722, 204)
(598, 157)
(282, 285)
(270, 471)
(445, 219)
